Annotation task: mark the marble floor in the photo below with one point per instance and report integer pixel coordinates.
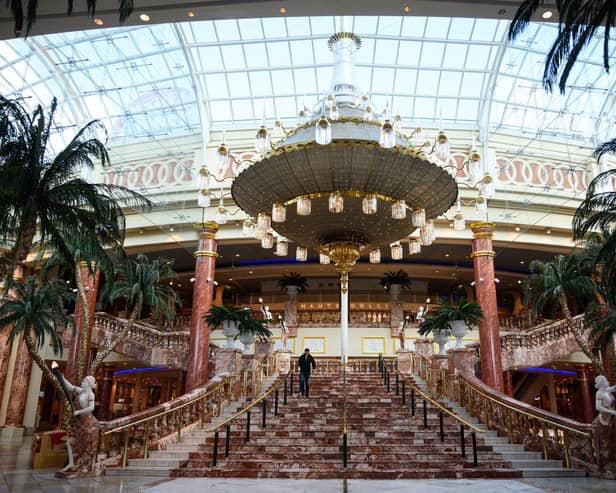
(16, 476)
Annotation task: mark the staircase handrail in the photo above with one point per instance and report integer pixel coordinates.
(170, 418)
(437, 404)
(282, 378)
(552, 329)
(142, 326)
(512, 416)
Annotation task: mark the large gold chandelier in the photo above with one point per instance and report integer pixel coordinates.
(343, 183)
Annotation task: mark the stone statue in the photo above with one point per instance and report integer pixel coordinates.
(83, 437)
(284, 331)
(401, 332)
(604, 400)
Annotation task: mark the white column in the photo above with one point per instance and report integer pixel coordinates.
(344, 315)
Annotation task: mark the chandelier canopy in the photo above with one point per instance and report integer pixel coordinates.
(342, 182)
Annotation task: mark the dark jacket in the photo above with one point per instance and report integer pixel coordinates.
(305, 363)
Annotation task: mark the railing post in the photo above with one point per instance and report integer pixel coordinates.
(403, 392)
(276, 403)
(440, 419)
(474, 437)
(264, 413)
(215, 452)
(425, 413)
(292, 376)
(180, 426)
(413, 401)
(544, 435)
(146, 432)
(388, 381)
(566, 445)
(462, 444)
(284, 394)
(125, 449)
(227, 440)
(247, 426)
(397, 384)
(344, 450)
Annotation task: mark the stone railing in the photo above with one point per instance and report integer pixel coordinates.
(144, 342)
(135, 435)
(179, 323)
(364, 318)
(542, 344)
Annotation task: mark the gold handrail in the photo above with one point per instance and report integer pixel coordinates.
(440, 406)
(531, 414)
(172, 409)
(252, 403)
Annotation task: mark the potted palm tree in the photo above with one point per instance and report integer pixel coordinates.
(227, 317)
(395, 281)
(439, 327)
(293, 281)
(460, 316)
(251, 328)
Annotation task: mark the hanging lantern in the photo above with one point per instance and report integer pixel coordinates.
(398, 209)
(268, 240)
(324, 259)
(221, 215)
(459, 224)
(442, 146)
(223, 157)
(301, 254)
(204, 199)
(279, 213)
(489, 187)
(388, 136)
(396, 251)
(418, 217)
(414, 247)
(334, 114)
(369, 204)
(368, 113)
(204, 177)
(262, 140)
(303, 206)
(264, 221)
(336, 203)
(282, 247)
(259, 233)
(375, 256)
(425, 235)
(323, 131)
(246, 227)
(430, 227)
(481, 205)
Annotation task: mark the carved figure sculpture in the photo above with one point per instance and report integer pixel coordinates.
(604, 400)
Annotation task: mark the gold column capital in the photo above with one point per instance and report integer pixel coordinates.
(483, 253)
(205, 253)
(206, 230)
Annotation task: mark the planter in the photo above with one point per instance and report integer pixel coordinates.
(458, 330)
(247, 339)
(230, 330)
(441, 338)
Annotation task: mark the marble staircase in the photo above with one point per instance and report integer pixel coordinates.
(530, 463)
(384, 441)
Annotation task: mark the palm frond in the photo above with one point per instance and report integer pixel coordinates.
(522, 17)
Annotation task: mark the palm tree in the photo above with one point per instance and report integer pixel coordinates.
(293, 279)
(141, 284)
(46, 196)
(34, 310)
(601, 319)
(399, 277)
(577, 23)
(125, 9)
(557, 280)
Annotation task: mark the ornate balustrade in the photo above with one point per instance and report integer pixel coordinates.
(548, 341)
(555, 436)
(144, 342)
(133, 436)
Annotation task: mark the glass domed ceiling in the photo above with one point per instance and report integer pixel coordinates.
(152, 82)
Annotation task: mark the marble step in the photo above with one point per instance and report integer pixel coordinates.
(162, 472)
(536, 464)
(155, 462)
(552, 472)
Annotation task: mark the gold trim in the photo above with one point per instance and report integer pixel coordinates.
(483, 235)
(206, 225)
(314, 338)
(289, 339)
(483, 224)
(345, 193)
(483, 253)
(363, 347)
(210, 236)
(206, 253)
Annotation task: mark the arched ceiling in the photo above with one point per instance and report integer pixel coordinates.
(166, 80)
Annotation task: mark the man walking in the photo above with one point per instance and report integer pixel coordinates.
(306, 363)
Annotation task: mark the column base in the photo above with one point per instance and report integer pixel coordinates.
(11, 434)
(424, 347)
(462, 360)
(283, 360)
(228, 361)
(405, 361)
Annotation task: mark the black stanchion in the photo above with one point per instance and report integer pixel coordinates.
(264, 413)
(276, 403)
(403, 392)
(284, 394)
(425, 413)
(344, 450)
(215, 452)
(462, 444)
(292, 377)
(227, 440)
(413, 402)
(388, 381)
(397, 384)
(247, 426)
(474, 437)
(440, 422)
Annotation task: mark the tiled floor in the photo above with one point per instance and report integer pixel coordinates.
(17, 477)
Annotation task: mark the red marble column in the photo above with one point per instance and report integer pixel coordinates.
(485, 293)
(508, 382)
(19, 387)
(588, 407)
(90, 281)
(203, 293)
(104, 393)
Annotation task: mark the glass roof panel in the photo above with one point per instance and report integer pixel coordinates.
(146, 81)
